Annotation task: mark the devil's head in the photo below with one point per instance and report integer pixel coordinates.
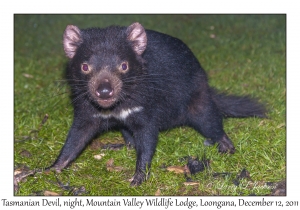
(104, 63)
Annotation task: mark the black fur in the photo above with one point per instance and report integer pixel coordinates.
(141, 82)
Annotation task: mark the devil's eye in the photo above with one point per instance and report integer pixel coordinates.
(124, 66)
(85, 67)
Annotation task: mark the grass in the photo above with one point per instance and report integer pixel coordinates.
(242, 54)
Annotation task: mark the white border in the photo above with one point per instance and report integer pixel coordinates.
(217, 6)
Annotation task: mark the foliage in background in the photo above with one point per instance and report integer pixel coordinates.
(242, 54)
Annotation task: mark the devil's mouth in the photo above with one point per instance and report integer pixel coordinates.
(106, 103)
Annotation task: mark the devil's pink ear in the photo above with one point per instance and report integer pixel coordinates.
(137, 35)
(72, 39)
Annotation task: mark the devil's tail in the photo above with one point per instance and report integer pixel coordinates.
(238, 106)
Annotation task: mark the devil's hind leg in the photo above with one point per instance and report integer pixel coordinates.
(204, 116)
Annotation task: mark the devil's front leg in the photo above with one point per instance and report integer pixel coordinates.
(128, 138)
(145, 145)
(82, 131)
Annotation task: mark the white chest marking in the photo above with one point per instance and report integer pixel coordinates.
(122, 115)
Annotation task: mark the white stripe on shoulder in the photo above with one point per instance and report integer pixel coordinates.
(122, 115)
(126, 112)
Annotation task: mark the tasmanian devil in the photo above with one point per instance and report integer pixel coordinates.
(141, 82)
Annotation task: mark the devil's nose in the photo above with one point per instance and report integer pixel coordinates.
(104, 90)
